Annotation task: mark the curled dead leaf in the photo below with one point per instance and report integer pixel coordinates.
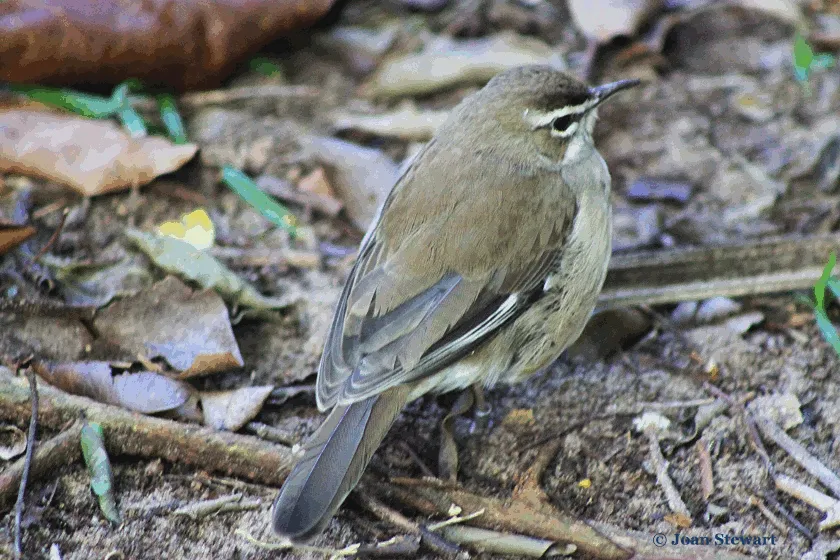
(147, 392)
(12, 442)
(91, 156)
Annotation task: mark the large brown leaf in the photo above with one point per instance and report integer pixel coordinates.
(191, 330)
(183, 44)
(91, 156)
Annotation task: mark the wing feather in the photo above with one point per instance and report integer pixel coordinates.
(429, 286)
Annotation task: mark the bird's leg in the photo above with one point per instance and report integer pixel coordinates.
(470, 399)
(448, 454)
(481, 409)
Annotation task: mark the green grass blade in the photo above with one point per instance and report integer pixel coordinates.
(819, 287)
(172, 119)
(85, 104)
(827, 329)
(272, 210)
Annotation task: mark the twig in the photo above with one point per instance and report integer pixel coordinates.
(417, 460)
(434, 541)
(737, 405)
(199, 99)
(821, 548)
(737, 269)
(27, 463)
(46, 309)
(528, 486)
(770, 496)
(272, 433)
(130, 433)
(487, 541)
(455, 519)
(799, 454)
(826, 504)
(593, 540)
(53, 238)
(675, 501)
(707, 480)
(51, 455)
(396, 546)
(351, 550)
(771, 517)
(223, 504)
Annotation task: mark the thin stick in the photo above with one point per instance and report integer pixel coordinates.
(770, 496)
(675, 501)
(434, 541)
(771, 517)
(198, 99)
(799, 454)
(53, 238)
(707, 479)
(135, 434)
(51, 455)
(30, 449)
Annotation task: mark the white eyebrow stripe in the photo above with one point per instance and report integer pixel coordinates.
(544, 119)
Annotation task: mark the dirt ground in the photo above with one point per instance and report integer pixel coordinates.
(720, 111)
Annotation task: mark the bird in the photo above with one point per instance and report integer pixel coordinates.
(483, 264)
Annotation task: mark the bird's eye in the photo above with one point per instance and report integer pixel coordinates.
(561, 124)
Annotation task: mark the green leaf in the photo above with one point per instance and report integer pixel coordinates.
(172, 119)
(132, 122)
(176, 256)
(823, 60)
(819, 287)
(803, 54)
(99, 468)
(85, 104)
(272, 210)
(834, 286)
(265, 66)
(828, 330)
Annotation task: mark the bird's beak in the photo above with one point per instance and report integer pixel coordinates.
(604, 92)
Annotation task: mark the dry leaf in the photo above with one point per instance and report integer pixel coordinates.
(317, 183)
(363, 177)
(406, 122)
(183, 44)
(91, 156)
(282, 189)
(145, 392)
(230, 410)
(181, 258)
(448, 63)
(11, 236)
(97, 284)
(191, 330)
(12, 442)
(604, 19)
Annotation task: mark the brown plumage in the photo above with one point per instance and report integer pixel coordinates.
(484, 265)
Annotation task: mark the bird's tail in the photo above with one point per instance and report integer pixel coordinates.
(335, 458)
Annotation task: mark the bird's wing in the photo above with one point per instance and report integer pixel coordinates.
(430, 285)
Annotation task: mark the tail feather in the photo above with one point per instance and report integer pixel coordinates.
(334, 460)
